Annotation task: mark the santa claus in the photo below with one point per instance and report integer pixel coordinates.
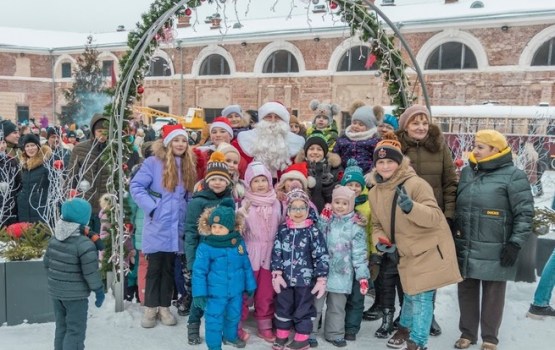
(271, 142)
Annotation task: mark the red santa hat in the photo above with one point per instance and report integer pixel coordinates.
(222, 122)
(171, 131)
(298, 171)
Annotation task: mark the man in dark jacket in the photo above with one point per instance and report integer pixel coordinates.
(53, 140)
(10, 134)
(10, 182)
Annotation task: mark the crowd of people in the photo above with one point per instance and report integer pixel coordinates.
(269, 216)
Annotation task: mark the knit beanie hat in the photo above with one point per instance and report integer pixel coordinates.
(343, 192)
(76, 210)
(364, 114)
(325, 109)
(226, 148)
(274, 107)
(217, 168)
(232, 109)
(316, 138)
(171, 131)
(255, 169)
(388, 148)
(224, 214)
(8, 127)
(253, 114)
(492, 138)
(71, 134)
(222, 122)
(100, 121)
(51, 131)
(391, 120)
(31, 138)
(298, 171)
(353, 173)
(297, 194)
(411, 112)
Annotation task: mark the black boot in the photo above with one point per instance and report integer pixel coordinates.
(373, 313)
(386, 328)
(183, 305)
(193, 334)
(435, 329)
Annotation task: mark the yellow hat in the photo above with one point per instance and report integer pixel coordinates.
(492, 138)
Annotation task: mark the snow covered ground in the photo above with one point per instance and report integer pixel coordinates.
(110, 330)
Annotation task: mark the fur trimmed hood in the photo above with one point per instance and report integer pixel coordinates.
(433, 142)
(42, 156)
(334, 160)
(204, 226)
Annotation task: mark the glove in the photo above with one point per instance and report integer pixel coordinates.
(199, 302)
(250, 293)
(326, 212)
(375, 261)
(363, 286)
(278, 282)
(99, 297)
(509, 254)
(385, 246)
(404, 201)
(327, 176)
(320, 287)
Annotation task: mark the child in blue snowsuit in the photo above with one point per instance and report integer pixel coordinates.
(222, 273)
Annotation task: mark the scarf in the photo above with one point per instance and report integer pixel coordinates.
(361, 199)
(360, 136)
(232, 239)
(262, 204)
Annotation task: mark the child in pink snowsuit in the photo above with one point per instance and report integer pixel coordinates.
(262, 211)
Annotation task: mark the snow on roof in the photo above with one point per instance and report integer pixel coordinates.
(301, 21)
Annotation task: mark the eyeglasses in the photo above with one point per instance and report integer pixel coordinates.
(298, 210)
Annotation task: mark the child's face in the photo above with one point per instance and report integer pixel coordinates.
(321, 122)
(340, 206)
(358, 126)
(289, 183)
(355, 187)
(386, 167)
(295, 128)
(383, 128)
(315, 153)
(219, 230)
(232, 160)
(234, 120)
(297, 211)
(217, 184)
(260, 184)
(179, 145)
(219, 135)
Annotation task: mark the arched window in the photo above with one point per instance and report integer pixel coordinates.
(452, 55)
(545, 55)
(355, 60)
(214, 65)
(159, 67)
(281, 61)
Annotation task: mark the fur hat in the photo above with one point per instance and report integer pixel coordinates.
(364, 114)
(7, 127)
(298, 171)
(325, 109)
(232, 109)
(316, 138)
(222, 122)
(492, 138)
(343, 192)
(391, 120)
(353, 173)
(171, 131)
(388, 148)
(76, 210)
(297, 194)
(294, 120)
(217, 168)
(31, 138)
(224, 214)
(274, 107)
(255, 169)
(411, 112)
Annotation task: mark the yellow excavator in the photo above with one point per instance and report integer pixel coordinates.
(193, 120)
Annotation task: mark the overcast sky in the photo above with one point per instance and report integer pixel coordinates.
(105, 15)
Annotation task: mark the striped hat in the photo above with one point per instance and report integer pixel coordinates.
(217, 167)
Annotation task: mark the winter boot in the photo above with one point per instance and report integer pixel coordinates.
(238, 343)
(149, 317)
(412, 346)
(435, 329)
(540, 312)
(267, 335)
(279, 343)
(298, 345)
(183, 305)
(373, 313)
(399, 338)
(386, 328)
(166, 316)
(193, 334)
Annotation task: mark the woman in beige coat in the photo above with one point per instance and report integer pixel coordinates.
(422, 239)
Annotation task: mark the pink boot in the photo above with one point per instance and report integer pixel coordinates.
(265, 330)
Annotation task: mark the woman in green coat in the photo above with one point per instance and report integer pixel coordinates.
(494, 213)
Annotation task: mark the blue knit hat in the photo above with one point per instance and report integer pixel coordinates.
(391, 120)
(224, 214)
(76, 210)
(353, 173)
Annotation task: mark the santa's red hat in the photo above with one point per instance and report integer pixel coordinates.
(298, 171)
(171, 131)
(222, 122)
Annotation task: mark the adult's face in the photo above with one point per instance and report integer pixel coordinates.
(482, 151)
(101, 135)
(12, 138)
(272, 117)
(53, 141)
(31, 149)
(418, 127)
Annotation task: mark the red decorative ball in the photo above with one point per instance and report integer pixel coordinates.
(188, 11)
(72, 193)
(58, 164)
(140, 89)
(333, 5)
(459, 163)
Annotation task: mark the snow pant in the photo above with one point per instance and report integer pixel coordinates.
(71, 323)
(542, 296)
(195, 314)
(263, 300)
(295, 308)
(486, 313)
(141, 277)
(388, 281)
(222, 318)
(354, 309)
(417, 314)
(179, 278)
(318, 305)
(159, 279)
(334, 324)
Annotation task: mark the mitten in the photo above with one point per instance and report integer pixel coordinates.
(200, 302)
(363, 286)
(404, 201)
(320, 287)
(326, 213)
(99, 297)
(509, 254)
(375, 261)
(278, 282)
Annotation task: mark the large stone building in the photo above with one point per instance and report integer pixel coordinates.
(469, 52)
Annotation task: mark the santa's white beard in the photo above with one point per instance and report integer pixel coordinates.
(271, 147)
